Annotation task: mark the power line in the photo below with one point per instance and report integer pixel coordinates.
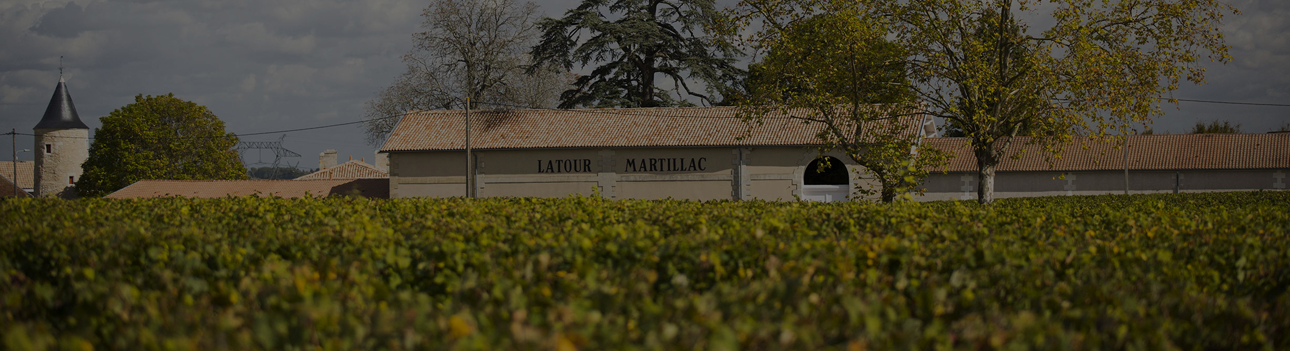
(1234, 103)
(622, 112)
(614, 111)
(249, 134)
(599, 111)
(321, 127)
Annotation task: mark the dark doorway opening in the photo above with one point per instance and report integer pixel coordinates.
(832, 173)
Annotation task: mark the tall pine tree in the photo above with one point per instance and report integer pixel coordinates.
(633, 42)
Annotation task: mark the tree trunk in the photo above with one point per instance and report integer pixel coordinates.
(888, 194)
(646, 93)
(985, 162)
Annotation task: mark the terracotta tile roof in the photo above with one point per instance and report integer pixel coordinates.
(348, 170)
(374, 188)
(443, 130)
(26, 173)
(1146, 152)
(7, 190)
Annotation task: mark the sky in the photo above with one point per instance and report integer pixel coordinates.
(269, 65)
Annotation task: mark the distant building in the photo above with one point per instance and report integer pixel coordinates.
(353, 178)
(328, 169)
(62, 145)
(371, 188)
(698, 153)
(1161, 163)
(9, 189)
(25, 172)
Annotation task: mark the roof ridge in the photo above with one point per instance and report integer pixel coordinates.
(213, 180)
(651, 127)
(585, 109)
(360, 162)
(1148, 153)
(362, 168)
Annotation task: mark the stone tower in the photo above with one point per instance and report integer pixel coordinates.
(62, 145)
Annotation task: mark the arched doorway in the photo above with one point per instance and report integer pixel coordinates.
(826, 180)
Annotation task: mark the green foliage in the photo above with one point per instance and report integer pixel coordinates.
(158, 137)
(1094, 68)
(633, 41)
(1215, 127)
(1141, 272)
(276, 173)
(834, 69)
(828, 60)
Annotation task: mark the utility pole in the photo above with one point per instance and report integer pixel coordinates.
(470, 184)
(13, 137)
(1126, 164)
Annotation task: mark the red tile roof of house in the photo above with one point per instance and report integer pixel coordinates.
(1146, 152)
(373, 188)
(444, 130)
(26, 173)
(348, 170)
(7, 189)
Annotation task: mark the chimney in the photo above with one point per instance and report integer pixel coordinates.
(382, 161)
(327, 159)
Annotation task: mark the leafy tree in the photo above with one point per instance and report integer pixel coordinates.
(470, 48)
(1215, 127)
(1100, 68)
(834, 69)
(634, 41)
(158, 137)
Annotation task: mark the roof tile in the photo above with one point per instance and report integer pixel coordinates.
(7, 190)
(443, 130)
(1146, 152)
(348, 170)
(26, 173)
(373, 188)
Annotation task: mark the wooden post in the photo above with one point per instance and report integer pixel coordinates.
(13, 136)
(1126, 164)
(470, 184)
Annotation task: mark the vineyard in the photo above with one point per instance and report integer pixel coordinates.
(1142, 272)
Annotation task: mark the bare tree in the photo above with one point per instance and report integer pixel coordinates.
(470, 48)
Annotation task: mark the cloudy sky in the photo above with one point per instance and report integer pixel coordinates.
(265, 65)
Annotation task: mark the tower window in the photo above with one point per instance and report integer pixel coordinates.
(49, 148)
(71, 180)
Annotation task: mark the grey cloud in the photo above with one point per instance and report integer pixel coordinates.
(64, 22)
(1259, 72)
(259, 65)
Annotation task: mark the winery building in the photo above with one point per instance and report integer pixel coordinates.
(1143, 164)
(696, 153)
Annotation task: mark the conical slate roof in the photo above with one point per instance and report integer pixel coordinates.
(61, 113)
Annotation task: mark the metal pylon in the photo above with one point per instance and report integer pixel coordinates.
(279, 153)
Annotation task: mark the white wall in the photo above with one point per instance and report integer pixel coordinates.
(58, 169)
(963, 186)
(768, 173)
